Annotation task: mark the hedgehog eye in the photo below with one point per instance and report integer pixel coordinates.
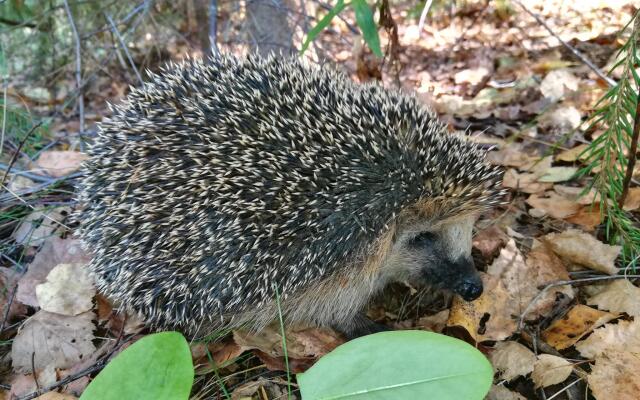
(423, 238)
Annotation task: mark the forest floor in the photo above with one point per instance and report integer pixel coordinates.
(557, 317)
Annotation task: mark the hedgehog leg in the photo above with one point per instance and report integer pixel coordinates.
(361, 325)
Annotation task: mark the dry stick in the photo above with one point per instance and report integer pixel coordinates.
(632, 157)
(423, 16)
(213, 28)
(14, 157)
(78, 67)
(575, 52)
(124, 47)
(568, 282)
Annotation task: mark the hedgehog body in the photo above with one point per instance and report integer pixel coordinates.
(222, 193)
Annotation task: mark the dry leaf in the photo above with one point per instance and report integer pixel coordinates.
(575, 324)
(575, 194)
(580, 320)
(68, 290)
(52, 339)
(562, 119)
(301, 342)
(40, 225)
(511, 156)
(550, 370)
(581, 248)
(553, 205)
(524, 182)
(558, 83)
(489, 316)
(498, 392)
(54, 251)
(434, 323)
(573, 154)
(618, 296)
(632, 201)
(558, 174)
(59, 163)
(511, 360)
(588, 218)
(622, 336)
(615, 376)
(489, 241)
(521, 279)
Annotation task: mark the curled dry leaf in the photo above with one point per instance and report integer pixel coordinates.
(488, 317)
(623, 336)
(632, 201)
(550, 370)
(587, 217)
(558, 174)
(434, 323)
(489, 242)
(59, 163)
(498, 392)
(511, 156)
(581, 248)
(615, 376)
(511, 360)
(618, 296)
(580, 320)
(68, 290)
(54, 251)
(575, 194)
(53, 340)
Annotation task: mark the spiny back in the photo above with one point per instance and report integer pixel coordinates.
(216, 182)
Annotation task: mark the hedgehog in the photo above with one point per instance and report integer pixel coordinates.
(232, 192)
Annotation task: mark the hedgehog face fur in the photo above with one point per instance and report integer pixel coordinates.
(217, 187)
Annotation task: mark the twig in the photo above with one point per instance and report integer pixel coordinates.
(124, 48)
(632, 156)
(423, 16)
(5, 88)
(574, 51)
(15, 155)
(563, 283)
(5, 317)
(213, 28)
(78, 66)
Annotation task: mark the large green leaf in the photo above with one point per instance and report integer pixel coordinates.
(323, 23)
(155, 367)
(364, 19)
(399, 365)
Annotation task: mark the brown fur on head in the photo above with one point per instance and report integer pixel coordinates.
(415, 249)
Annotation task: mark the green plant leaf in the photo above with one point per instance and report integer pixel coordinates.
(364, 19)
(157, 366)
(323, 23)
(399, 365)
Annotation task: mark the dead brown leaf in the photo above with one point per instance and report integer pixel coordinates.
(498, 392)
(54, 251)
(59, 163)
(301, 342)
(550, 370)
(488, 317)
(623, 336)
(579, 321)
(581, 248)
(489, 242)
(68, 290)
(618, 296)
(434, 323)
(587, 217)
(511, 360)
(524, 182)
(632, 201)
(553, 205)
(615, 376)
(573, 154)
(52, 340)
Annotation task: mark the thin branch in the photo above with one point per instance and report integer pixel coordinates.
(15, 155)
(124, 47)
(575, 52)
(213, 27)
(563, 283)
(423, 16)
(632, 156)
(78, 65)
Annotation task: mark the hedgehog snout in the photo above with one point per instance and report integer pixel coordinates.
(470, 288)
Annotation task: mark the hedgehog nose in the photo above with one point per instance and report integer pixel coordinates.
(470, 289)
